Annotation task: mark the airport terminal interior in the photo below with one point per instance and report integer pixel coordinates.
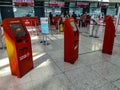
(93, 69)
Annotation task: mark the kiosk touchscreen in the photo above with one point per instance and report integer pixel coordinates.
(18, 30)
(18, 46)
(71, 41)
(73, 26)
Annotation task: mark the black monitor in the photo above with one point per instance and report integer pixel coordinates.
(73, 26)
(18, 29)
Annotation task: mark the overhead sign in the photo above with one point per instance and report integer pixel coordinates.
(44, 25)
(60, 4)
(24, 2)
(83, 4)
(103, 5)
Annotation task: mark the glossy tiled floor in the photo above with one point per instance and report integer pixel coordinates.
(92, 71)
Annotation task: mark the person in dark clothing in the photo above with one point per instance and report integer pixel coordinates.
(50, 18)
(28, 15)
(74, 15)
(66, 14)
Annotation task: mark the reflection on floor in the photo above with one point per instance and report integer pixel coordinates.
(92, 71)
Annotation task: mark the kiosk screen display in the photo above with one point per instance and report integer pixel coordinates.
(18, 30)
(73, 26)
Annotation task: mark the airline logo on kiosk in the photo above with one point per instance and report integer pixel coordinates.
(24, 56)
(17, 21)
(75, 47)
(18, 30)
(27, 22)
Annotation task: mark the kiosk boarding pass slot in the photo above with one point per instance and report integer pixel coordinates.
(23, 48)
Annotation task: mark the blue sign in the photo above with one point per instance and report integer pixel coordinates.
(44, 25)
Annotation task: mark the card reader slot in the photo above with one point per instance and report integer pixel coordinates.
(76, 41)
(26, 40)
(23, 48)
(19, 40)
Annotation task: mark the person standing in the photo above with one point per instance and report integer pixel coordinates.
(50, 18)
(74, 16)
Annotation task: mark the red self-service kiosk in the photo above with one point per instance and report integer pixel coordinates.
(109, 35)
(71, 41)
(18, 46)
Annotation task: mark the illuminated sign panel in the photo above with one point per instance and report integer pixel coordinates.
(60, 4)
(24, 2)
(103, 5)
(83, 4)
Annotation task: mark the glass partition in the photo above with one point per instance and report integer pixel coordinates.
(22, 11)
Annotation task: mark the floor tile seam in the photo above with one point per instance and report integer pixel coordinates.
(70, 69)
(77, 68)
(98, 39)
(57, 74)
(106, 84)
(113, 81)
(115, 85)
(5, 88)
(87, 36)
(53, 63)
(89, 52)
(14, 84)
(70, 80)
(89, 66)
(102, 75)
(50, 75)
(56, 37)
(51, 57)
(114, 64)
(54, 42)
(115, 44)
(90, 81)
(66, 70)
(60, 73)
(23, 83)
(33, 43)
(56, 63)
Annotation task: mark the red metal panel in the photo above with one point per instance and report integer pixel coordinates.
(30, 21)
(71, 41)
(18, 46)
(108, 36)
